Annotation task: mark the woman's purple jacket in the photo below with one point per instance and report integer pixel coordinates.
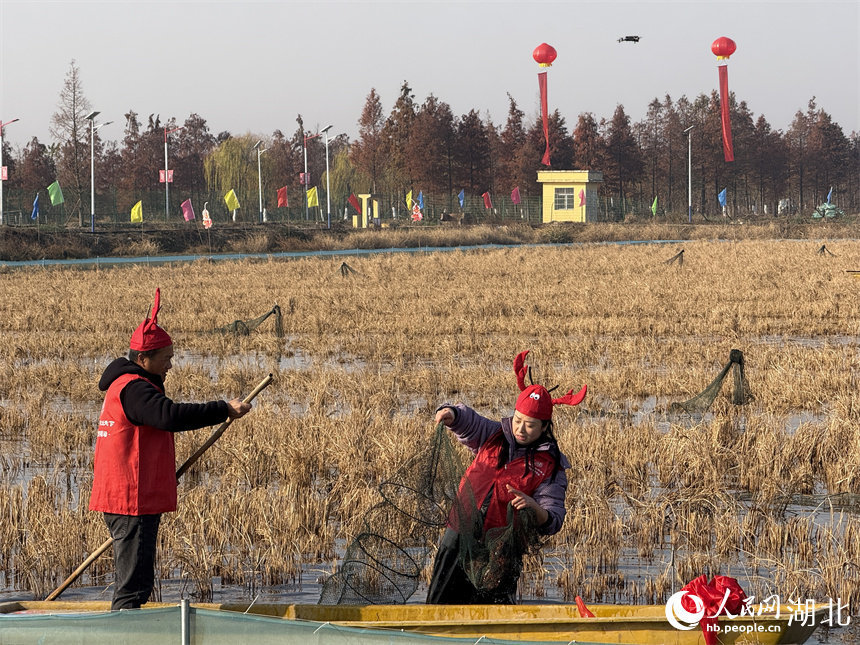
(472, 430)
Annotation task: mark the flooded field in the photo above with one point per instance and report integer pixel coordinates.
(765, 492)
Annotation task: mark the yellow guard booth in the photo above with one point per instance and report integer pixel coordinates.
(569, 195)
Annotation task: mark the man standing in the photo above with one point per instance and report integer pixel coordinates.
(135, 469)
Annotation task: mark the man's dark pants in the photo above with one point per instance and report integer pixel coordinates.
(134, 541)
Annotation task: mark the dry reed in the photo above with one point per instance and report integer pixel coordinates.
(653, 500)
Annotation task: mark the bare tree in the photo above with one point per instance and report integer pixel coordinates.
(68, 127)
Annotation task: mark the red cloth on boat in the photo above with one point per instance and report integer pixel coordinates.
(712, 595)
(584, 612)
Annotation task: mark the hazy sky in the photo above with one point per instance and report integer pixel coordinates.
(253, 66)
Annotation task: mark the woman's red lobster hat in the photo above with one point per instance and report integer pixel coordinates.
(148, 335)
(534, 400)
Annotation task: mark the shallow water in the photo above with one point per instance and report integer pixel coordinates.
(289, 255)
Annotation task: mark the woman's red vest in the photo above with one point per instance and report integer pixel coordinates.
(135, 466)
(483, 477)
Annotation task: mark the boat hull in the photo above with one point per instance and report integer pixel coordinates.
(618, 624)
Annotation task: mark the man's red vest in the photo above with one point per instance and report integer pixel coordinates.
(483, 477)
(135, 466)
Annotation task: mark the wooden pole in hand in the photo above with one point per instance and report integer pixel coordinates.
(262, 385)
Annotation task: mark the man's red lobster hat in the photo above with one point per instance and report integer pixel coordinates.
(534, 400)
(148, 335)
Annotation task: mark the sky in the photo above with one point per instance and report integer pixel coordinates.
(252, 67)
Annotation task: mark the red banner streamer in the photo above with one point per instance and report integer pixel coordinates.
(728, 152)
(543, 113)
(722, 595)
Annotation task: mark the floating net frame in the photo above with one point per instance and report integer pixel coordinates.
(245, 327)
(741, 394)
(384, 562)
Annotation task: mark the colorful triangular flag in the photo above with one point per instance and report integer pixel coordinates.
(409, 199)
(282, 198)
(582, 197)
(487, 203)
(313, 199)
(231, 200)
(654, 207)
(35, 214)
(187, 210)
(515, 196)
(353, 201)
(55, 193)
(462, 197)
(137, 212)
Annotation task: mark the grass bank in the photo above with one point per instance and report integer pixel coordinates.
(17, 244)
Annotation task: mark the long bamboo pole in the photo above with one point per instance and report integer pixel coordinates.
(262, 385)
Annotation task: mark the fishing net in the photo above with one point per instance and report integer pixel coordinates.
(384, 563)
(703, 400)
(345, 270)
(493, 559)
(678, 257)
(245, 327)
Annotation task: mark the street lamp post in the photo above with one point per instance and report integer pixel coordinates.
(91, 117)
(2, 125)
(260, 150)
(167, 175)
(689, 174)
(313, 136)
(327, 181)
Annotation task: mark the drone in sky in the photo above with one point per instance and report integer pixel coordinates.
(629, 39)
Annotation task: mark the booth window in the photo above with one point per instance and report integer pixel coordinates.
(564, 199)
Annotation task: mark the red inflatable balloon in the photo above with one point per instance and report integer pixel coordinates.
(722, 47)
(544, 55)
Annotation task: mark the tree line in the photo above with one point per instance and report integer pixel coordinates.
(426, 147)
